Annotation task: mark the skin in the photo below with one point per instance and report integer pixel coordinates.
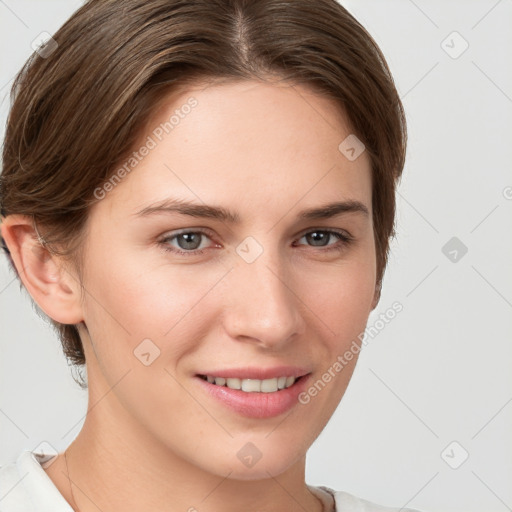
(263, 150)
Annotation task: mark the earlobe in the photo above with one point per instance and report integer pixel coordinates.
(43, 274)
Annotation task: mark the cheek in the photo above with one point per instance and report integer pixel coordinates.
(341, 295)
(342, 304)
(133, 297)
(132, 300)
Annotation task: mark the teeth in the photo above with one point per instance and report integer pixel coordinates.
(232, 383)
(253, 385)
(289, 381)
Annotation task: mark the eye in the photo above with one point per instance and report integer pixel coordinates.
(319, 238)
(188, 243)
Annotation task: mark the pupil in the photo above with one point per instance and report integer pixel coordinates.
(189, 242)
(316, 236)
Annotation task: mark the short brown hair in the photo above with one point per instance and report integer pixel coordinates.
(77, 111)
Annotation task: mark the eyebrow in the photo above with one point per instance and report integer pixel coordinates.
(171, 205)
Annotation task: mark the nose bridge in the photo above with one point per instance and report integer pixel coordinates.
(260, 301)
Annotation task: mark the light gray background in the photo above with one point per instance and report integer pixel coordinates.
(440, 371)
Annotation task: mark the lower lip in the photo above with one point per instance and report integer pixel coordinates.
(257, 405)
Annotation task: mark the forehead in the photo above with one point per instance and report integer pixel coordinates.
(242, 139)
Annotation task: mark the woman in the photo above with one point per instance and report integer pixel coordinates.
(200, 197)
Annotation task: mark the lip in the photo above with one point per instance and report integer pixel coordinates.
(258, 373)
(255, 405)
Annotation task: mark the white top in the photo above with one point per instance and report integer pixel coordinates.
(25, 487)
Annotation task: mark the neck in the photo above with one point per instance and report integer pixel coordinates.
(115, 470)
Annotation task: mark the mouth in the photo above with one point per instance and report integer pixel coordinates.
(272, 385)
(255, 398)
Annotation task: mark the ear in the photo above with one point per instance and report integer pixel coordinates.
(55, 290)
(376, 296)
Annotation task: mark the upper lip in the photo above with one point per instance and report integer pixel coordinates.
(258, 373)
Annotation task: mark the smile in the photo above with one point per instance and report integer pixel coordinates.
(252, 385)
(255, 398)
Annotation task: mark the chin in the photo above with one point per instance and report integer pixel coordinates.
(248, 463)
(259, 471)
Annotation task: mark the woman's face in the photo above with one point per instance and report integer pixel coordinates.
(171, 296)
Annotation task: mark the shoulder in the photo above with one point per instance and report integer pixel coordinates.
(25, 486)
(13, 492)
(346, 502)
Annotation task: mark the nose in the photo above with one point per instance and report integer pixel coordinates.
(261, 305)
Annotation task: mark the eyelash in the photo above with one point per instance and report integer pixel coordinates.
(344, 238)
